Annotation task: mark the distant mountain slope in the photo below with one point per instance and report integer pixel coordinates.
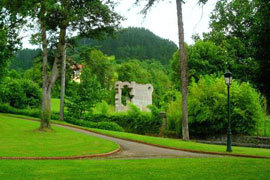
(136, 43)
(24, 59)
(129, 43)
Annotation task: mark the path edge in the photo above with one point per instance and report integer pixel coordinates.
(63, 157)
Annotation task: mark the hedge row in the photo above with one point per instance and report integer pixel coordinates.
(142, 123)
(99, 125)
(5, 108)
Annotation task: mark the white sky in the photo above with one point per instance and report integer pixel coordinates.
(162, 20)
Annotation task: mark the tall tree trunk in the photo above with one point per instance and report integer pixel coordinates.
(184, 78)
(62, 41)
(63, 77)
(46, 95)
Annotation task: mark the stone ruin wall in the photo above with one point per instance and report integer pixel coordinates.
(141, 95)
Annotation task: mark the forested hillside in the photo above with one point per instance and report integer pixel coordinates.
(130, 43)
(137, 43)
(24, 59)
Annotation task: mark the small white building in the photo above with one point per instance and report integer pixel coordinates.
(77, 70)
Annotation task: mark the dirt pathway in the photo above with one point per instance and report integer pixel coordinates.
(134, 150)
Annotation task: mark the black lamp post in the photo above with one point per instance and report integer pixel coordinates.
(228, 81)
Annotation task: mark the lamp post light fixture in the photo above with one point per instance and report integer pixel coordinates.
(228, 81)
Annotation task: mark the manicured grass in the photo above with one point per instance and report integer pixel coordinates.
(172, 169)
(55, 105)
(20, 138)
(178, 143)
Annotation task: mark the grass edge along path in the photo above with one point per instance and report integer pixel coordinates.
(21, 140)
(175, 144)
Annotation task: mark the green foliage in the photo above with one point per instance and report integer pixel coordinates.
(20, 93)
(160, 80)
(262, 42)
(99, 125)
(32, 93)
(13, 74)
(208, 107)
(174, 116)
(133, 71)
(133, 120)
(102, 108)
(9, 41)
(168, 97)
(135, 43)
(12, 93)
(204, 58)
(84, 96)
(32, 112)
(140, 122)
(241, 27)
(6, 108)
(4, 54)
(101, 66)
(24, 59)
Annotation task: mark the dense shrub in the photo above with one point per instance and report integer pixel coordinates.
(20, 93)
(99, 125)
(12, 93)
(133, 120)
(102, 108)
(6, 108)
(32, 93)
(174, 116)
(207, 106)
(84, 96)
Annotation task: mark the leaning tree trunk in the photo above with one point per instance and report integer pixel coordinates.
(48, 82)
(183, 65)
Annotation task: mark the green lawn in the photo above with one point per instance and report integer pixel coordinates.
(171, 169)
(21, 138)
(55, 105)
(177, 142)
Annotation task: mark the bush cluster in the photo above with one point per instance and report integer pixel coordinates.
(174, 116)
(6, 108)
(134, 120)
(20, 93)
(207, 106)
(84, 96)
(99, 125)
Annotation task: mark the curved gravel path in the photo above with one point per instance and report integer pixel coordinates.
(134, 150)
